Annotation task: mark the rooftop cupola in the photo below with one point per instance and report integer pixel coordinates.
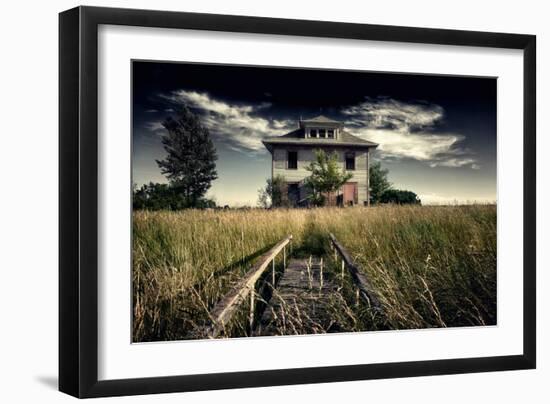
(321, 127)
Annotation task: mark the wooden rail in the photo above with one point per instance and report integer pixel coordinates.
(363, 286)
(224, 310)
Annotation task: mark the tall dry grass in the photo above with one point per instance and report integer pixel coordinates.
(431, 266)
(183, 262)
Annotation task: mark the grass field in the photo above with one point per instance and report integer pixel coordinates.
(430, 266)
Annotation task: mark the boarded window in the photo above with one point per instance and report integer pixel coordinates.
(292, 160)
(350, 161)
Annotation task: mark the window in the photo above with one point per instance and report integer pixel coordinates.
(330, 133)
(313, 133)
(292, 160)
(322, 133)
(350, 161)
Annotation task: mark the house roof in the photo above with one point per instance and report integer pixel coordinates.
(296, 137)
(321, 119)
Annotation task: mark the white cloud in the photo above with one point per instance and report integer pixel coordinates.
(154, 126)
(239, 126)
(386, 112)
(456, 162)
(402, 130)
(408, 130)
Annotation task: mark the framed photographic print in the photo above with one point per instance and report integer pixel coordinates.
(251, 201)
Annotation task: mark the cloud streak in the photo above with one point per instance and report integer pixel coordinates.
(154, 126)
(408, 131)
(403, 130)
(240, 127)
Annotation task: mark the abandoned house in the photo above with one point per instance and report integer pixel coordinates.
(293, 152)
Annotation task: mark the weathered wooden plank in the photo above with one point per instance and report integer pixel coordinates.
(358, 277)
(299, 305)
(223, 311)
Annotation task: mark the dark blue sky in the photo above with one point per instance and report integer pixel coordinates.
(437, 134)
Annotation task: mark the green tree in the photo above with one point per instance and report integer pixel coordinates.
(325, 179)
(190, 163)
(274, 194)
(154, 196)
(378, 182)
(400, 197)
(158, 196)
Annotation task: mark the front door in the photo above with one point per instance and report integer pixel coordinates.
(349, 193)
(293, 193)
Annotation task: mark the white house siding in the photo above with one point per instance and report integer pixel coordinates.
(306, 156)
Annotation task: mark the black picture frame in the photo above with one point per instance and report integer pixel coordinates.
(78, 200)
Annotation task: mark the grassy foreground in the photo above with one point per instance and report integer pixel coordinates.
(430, 266)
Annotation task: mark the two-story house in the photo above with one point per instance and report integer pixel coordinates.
(293, 152)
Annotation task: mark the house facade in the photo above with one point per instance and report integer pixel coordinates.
(293, 152)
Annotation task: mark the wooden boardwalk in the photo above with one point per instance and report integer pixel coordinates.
(301, 302)
(306, 299)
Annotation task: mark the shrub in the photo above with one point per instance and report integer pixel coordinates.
(400, 197)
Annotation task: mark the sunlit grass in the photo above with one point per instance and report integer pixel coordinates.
(183, 262)
(431, 266)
